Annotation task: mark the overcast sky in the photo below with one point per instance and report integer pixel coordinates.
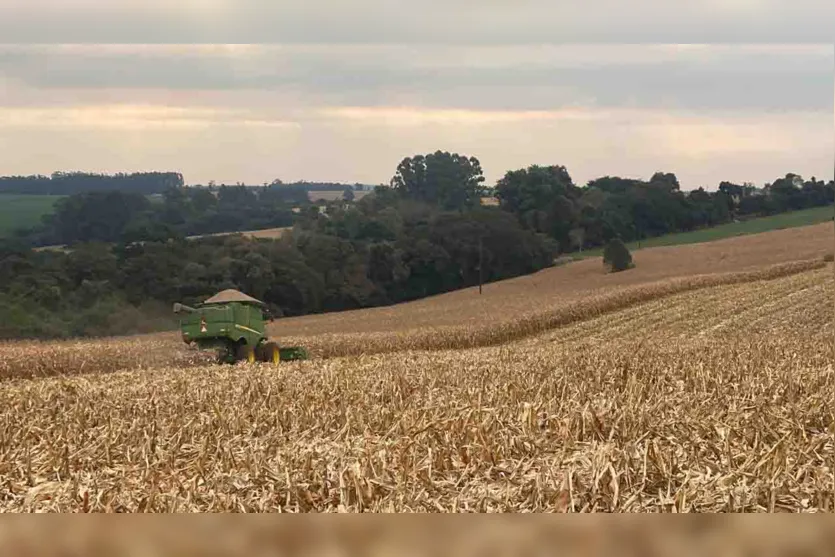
(346, 92)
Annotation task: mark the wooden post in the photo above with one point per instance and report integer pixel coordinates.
(480, 264)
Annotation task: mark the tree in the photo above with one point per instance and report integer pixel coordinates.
(733, 194)
(68, 183)
(786, 193)
(448, 180)
(544, 199)
(616, 256)
(348, 194)
(665, 180)
(236, 196)
(96, 216)
(202, 199)
(578, 238)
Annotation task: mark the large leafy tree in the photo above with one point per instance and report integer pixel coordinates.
(96, 216)
(449, 180)
(544, 198)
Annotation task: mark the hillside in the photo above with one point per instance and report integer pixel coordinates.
(553, 297)
(23, 211)
(713, 399)
(699, 381)
(427, 234)
(510, 299)
(792, 219)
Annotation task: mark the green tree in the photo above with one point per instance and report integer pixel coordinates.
(96, 216)
(448, 180)
(786, 193)
(544, 198)
(616, 256)
(202, 200)
(666, 181)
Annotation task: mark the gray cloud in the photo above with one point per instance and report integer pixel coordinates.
(701, 151)
(427, 21)
(508, 78)
(736, 112)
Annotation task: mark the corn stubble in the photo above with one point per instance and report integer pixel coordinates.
(28, 360)
(717, 398)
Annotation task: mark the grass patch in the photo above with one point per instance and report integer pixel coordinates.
(793, 219)
(23, 211)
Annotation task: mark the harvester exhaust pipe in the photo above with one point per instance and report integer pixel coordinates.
(182, 308)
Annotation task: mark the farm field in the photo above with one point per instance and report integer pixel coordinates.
(263, 233)
(702, 380)
(270, 233)
(805, 217)
(538, 292)
(621, 412)
(18, 211)
(333, 195)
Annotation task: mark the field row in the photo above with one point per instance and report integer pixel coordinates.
(571, 283)
(796, 305)
(673, 405)
(712, 426)
(501, 330)
(44, 359)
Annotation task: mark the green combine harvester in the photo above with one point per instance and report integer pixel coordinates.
(233, 324)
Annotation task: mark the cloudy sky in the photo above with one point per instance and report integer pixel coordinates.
(343, 91)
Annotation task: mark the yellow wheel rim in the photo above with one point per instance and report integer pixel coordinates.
(250, 357)
(276, 355)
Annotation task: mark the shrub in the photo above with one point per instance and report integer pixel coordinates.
(616, 256)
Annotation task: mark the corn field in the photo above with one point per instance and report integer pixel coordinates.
(689, 394)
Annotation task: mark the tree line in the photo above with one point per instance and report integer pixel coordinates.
(546, 200)
(425, 233)
(69, 183)
(147, 183)
(378, 251)
(124, 217)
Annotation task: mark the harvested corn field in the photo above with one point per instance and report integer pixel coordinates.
(507, 310)
(708, 395)
(501, 325)
(574, 281)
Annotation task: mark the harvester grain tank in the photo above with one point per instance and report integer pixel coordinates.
(233, 324)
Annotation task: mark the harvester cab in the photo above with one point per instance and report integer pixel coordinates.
(233, 324)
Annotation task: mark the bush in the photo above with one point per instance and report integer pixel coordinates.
(616, 256)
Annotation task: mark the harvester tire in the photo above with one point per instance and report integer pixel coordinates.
(246, 353)
(270, 353)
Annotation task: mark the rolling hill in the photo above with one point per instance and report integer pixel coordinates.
(701, 380)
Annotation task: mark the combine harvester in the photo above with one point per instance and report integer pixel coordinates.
(233, 324)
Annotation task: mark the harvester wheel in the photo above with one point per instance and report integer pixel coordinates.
(246, 353)
(227, 354)
(271, 353)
